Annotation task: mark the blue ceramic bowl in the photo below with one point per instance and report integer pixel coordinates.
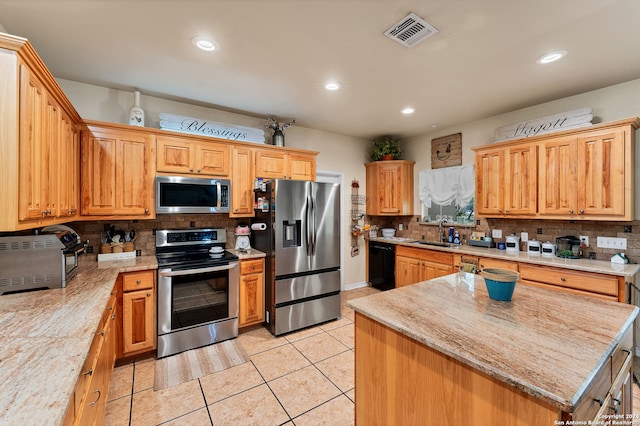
(500, 283)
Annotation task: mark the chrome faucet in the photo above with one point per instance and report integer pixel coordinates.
(442, 238)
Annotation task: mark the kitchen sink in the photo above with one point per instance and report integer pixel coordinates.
(437, 243)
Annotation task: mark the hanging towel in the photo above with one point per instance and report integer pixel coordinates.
(447, 185)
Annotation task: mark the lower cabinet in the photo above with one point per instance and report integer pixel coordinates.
(251, 292)
(414, 265)
(138, 312)
(89, 401)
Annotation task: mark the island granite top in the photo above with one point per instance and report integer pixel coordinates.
(547, 343)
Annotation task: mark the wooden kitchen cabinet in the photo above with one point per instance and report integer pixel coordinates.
(506, 181)
(189, 156)
(583, 174)
(118, 173)
(390, 188)
(138, 312)
(242, 177)
(414, 265)
(251, 306)
(39, 186)
(281, 164)
(87, 406)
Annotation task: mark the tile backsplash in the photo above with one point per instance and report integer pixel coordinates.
(542, 230)
(145, 237)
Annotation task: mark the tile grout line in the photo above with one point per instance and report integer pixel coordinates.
(204, 397)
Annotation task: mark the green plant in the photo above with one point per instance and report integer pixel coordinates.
(386, 146)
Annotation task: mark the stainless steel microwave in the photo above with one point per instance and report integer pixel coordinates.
(178, 194)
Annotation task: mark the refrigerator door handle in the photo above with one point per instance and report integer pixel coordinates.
(314, 230)
(307, 227)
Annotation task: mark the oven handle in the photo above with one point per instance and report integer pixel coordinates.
(198, 270)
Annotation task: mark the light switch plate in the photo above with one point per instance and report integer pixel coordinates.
(496, 233)
(524, 237)
(612, 242)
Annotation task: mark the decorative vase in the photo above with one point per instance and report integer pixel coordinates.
(278, 138)
(136, 113)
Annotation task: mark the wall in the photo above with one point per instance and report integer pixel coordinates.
(338, 153)
(611, 103)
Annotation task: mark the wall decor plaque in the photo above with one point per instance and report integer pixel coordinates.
(198, 126)
(551, 123)
(446, 151)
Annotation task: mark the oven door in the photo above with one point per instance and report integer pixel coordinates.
(189, 298)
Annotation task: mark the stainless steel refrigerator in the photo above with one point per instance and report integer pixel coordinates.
(302, 243)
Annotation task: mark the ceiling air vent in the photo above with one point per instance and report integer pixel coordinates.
(410, 30)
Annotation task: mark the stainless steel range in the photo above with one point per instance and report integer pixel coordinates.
(198, 284)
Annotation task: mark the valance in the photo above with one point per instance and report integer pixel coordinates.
(447, 185)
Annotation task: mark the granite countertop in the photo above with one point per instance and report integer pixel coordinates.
(45, 338)
(248, 254)
(546, 343)
(587, 265)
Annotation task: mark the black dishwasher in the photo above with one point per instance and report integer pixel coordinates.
(382, 268)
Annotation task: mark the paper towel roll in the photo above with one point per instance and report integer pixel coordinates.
(259, 226)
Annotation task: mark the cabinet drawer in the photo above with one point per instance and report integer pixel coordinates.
(486, 262)
(132, 281)
(596, 283)
(441, 257)
(251, 266)
(597, 392)
(621, 352)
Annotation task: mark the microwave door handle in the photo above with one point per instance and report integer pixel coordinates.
(198, 270)
(219, 188)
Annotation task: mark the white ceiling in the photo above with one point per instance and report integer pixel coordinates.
(275, 55)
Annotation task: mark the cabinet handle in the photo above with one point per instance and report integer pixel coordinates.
(110, 308)
(571, 211)
(616, 405)
(98, 398)
(90, 372)
(113, 317)
(627, 351)
(102, 333)
(563, 279)
(600, 401)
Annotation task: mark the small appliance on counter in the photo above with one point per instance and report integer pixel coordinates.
(548, 249)
(242, 238)
(513, 243)
(534, 247)
(48, 259)
(568, 247)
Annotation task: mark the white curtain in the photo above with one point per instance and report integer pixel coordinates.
(447, 185)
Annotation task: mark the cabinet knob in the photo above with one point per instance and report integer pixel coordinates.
(191, 170)
(581, 211)
(146, 211)
(198, 170)
(138, 282)
(253, 267)
(506, 211)
(148, 294)
(90, 372)
(563, 279)
(113, 317)
(571, 211)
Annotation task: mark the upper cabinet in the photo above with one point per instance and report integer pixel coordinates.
(242, 176)
(189, 156)
(390, 188)
(118, 172)
(281, 164)
(583, 174)
(39, 141)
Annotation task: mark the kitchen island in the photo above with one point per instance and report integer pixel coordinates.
(441, 352)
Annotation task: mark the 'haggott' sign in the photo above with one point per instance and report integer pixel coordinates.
(563, 121)
(198, 126)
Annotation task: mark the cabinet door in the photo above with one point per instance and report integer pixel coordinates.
(601, 173)
(302, 167)
(174, 155)
(251, 310)
(408, 271)
(557, 192)
(242, 177)
(389, 189)
(31, 156)
(521, 180)
(212, 159)
(69, 169)
(118, 174)
(271, 164)
(138, 321)
(431, 270)
(489, 182)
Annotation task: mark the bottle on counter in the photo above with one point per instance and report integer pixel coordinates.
(451, 234)
(456, 237)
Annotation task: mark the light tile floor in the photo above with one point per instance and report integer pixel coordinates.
(302, 378)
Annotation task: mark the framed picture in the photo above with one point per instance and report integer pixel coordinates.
(446, 151)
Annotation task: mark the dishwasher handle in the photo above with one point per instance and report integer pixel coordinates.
(386, 247)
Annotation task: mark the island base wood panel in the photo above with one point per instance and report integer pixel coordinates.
(399, 381)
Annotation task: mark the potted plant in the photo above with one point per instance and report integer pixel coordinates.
(386, 148)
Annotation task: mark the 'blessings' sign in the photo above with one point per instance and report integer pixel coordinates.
(198, 126)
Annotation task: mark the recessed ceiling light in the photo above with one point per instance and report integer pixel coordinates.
(434, 126)
(204, 44)
(547, 58)
(332, 85)
(408, 110)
